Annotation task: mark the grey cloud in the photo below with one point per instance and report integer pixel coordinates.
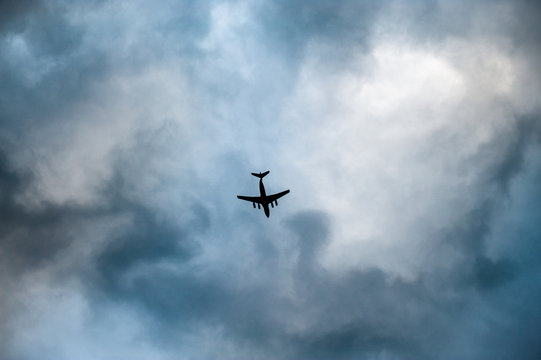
(361, 314)
(294, 23)
(43, 80)
(302, 311)
(526, 32)
(28, 237)
(312, 231)
(31, 240)
(490, 274)
(149, 240)
(511, 164)
(13, 11)
(354, 339)
(255, 314)
(504, 316)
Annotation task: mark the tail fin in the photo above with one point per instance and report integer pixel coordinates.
(261, 175)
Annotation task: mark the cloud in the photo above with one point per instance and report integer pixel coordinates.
(14, 11)
(407, 133)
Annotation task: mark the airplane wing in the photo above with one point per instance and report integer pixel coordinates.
(254, 199)
(274, 197)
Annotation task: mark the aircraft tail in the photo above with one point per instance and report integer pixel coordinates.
(261, 175)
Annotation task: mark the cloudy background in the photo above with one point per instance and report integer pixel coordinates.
(409, 134)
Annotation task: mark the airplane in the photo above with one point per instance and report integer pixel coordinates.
(264, 199)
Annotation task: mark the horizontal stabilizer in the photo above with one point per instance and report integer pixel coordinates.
(261, 175)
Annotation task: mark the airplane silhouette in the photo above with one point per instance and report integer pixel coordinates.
(263, 199)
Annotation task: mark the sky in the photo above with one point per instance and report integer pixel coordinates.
(408, 132)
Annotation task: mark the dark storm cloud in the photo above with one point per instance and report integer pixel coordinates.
(504, 320)
(490, 274)
(361, 314)
(33, 239)
(507, 287)
(294, 23)
(12, 12)
(527, 32)
(28, 238)
(150, 239)
(31, 236)
(45, 72)
(47, 65)
(353, 316)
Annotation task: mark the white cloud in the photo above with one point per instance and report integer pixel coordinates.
(397, 147)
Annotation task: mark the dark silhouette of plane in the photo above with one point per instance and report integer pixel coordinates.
(264, 199)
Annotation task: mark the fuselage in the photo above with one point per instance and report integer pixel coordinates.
(263, 196)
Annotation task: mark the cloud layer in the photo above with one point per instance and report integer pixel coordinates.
(408, 133)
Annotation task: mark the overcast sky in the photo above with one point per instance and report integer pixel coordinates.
(408, 132)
